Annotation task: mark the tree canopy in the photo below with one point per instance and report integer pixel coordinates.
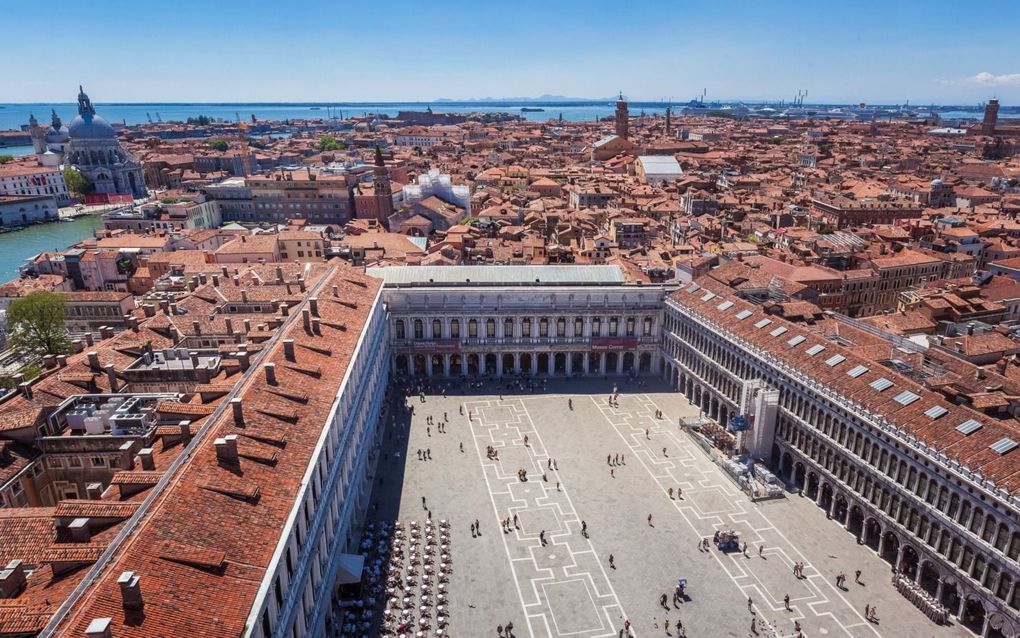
(4, 159)
(330, 143)
(77, 183)
(219, 144)
(36, 324)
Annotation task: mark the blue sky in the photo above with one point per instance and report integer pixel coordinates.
(260, 50)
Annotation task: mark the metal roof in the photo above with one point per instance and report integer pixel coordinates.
(498, 275)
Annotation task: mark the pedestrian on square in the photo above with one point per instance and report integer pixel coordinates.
(477, 524)
(612, 564)
(664, 452)
(612, 472)
(750, 604)
(549, 464)
(857, 576)
(499, 629)
(609, 459)
(623, 459)
(429, 517)
(671, 493)
(761, 548)
(570, 403)
(428, 453)
(786, 602)
(428, 431)
(616, 460)
(525, 440)
(516, 526)
(423, 506)
(666, 624)
(584, 529)
(541, 537)
(462, 447)
(650, 521)
(647, 436)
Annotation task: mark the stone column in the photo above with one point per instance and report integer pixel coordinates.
(446, 365)
(463, 365)
(534, 364)
(517, 363)
(585, 363)
(428, 365)
(570, 364)
(552, 364)
(832, 506)
(619, 364)
(938, 590)
(481, 364)
(602, 364)
(499, 364)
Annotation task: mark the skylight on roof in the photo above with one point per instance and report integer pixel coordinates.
(778, 331)
(762, 323)
(935, 411)
(726, 305)
(857, 371)
(799, 339)
(708, 296)
(744, 314)
(694, 288)
(881, 384)
(906, 397)
(968, 426)
(815, 349)
(835, 360)
(1004, 445)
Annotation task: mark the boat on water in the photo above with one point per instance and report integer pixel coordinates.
(316, 108)
(531, 109)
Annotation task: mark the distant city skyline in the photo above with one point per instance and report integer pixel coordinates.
(876, 52)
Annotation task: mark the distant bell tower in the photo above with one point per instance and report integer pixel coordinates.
(991, 117)
(383, 190)
(622, 118)
(669, 122)
(38, 135)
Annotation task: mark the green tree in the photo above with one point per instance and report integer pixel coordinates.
(201, 120)
(219, 144)
(330, 143)
(4, 159)
(36, 324)
(30, 372)
(77, 183)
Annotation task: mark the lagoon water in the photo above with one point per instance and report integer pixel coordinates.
(17, 246)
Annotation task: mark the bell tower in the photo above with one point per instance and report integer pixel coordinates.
(991, 117)
(622, 118)
(383, 190)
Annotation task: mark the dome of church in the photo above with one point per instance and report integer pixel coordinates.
(57, 136)
(91, 127)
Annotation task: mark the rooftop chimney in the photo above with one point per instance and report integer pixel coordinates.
(61, 360)
(76, 346)
(26, 389)
(145, 459)
(127, 458)
(288, 349)
(229, 323)
(237, 405)
(93, 358)
(284, 308)
(79, 529)
(94, 491)
(244, 296)
(164, 305)
(88, 339)
(105, 332)
(196, 327)
(313, 303)
(306, 318)
(111, 377)
(99, 628)
(49, 361)
(247, 326)
(270, 370)
(12, 579)
(226, 448)
(317, 326)
(130, 590)
(193, 355)
(336, 290)
(301, 283)
(216, 281)
(279, 274)
(191, 285)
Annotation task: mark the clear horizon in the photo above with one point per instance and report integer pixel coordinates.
(885, 52)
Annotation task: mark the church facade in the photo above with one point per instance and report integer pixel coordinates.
(94, 150)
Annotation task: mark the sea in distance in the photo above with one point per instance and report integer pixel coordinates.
(13, 116)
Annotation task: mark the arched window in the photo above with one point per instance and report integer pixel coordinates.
(400, 328)
(578, 326)
(543, 327)
(508, 328)
(647, 330)
(561, 327)
(437, 329)
(472, 329)
(526, 327)
(455, 329)
(596, 326)
(419, 329)
(630, 326)
(614, 326)
(490, 328)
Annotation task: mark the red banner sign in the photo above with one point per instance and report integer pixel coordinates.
(613, 344)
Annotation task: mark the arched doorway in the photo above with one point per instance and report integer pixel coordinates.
(950, 596)
(560, 363)
(472, 365)
(891, 548)
(577, 362)
(456, 365)
(612, 360)
(928, 578)
(402, 364)
(908, 564)
(872, 533)
(786, 467)
(645, 364)
(628, 363)
(855, 522)
(419, 365)
(825, 502)
(437, 365)
(811, 491)
(973, 616)
(508, 363)
(490, 363)
(543, 362)
(799, 474)
(593, 363)
(526, 358)
(999, 626)
(841, 511)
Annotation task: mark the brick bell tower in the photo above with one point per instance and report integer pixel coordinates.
(622, 118)
(991, 117)
(383, 190)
